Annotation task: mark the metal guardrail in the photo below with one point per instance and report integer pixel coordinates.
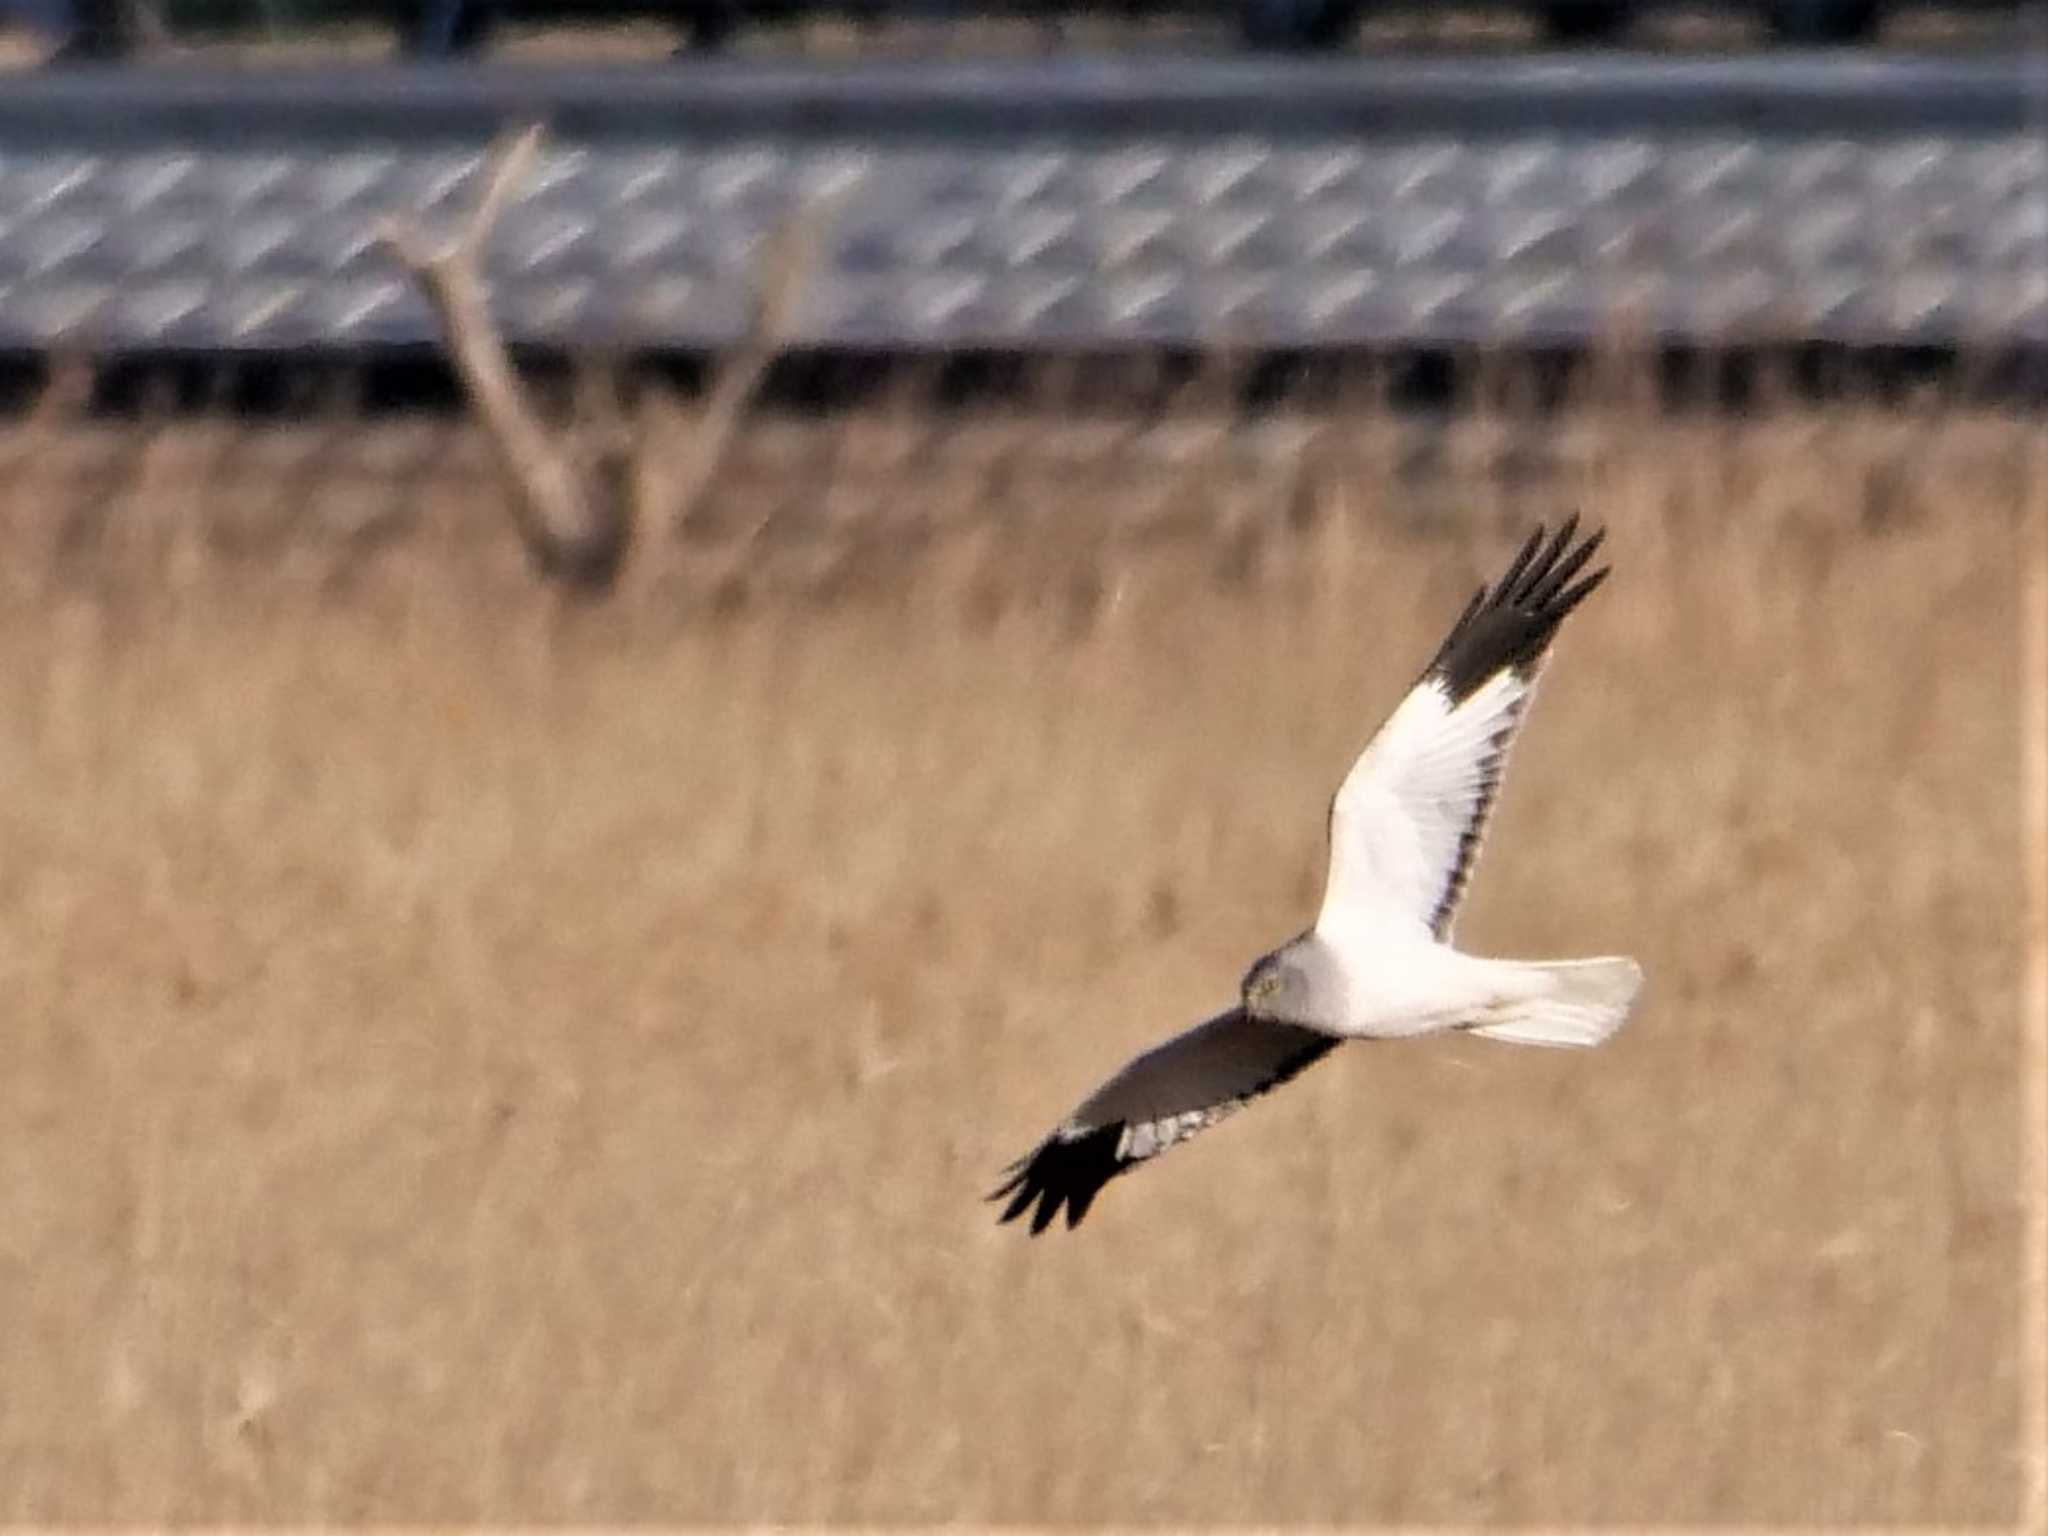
(1049, 203)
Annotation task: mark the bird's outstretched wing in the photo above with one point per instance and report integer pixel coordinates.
(1164, 1096)
(1405, 827)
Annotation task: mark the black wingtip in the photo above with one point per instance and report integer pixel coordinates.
(1061, 1174)
(1512, 623)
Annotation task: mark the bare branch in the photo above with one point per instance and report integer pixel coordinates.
(510, 163)
(573, 521)
(406, 244)
(787, 263)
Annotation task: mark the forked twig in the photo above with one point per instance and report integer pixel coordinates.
(571, 516)
(574, 514)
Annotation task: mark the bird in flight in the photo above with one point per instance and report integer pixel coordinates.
(1405, 829)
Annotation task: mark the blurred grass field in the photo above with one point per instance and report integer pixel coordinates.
(478, 1058)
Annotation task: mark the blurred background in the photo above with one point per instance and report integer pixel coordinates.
(640, 640)
(80, 29)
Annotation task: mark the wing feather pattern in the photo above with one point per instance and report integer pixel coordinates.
(1160, 1098)
(1407, 823)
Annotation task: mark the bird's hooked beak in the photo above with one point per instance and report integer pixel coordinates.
(1261, 984)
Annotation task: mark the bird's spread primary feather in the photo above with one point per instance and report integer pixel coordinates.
(1405, 829)
(1406, 825)
(1161, 1097)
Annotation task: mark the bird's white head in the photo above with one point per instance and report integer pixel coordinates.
(1298, 983)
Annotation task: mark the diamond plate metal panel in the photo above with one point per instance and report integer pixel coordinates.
(1298, 236)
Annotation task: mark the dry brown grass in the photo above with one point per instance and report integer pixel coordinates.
(471, 1058)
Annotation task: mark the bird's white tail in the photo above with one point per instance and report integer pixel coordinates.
(1567, 1002)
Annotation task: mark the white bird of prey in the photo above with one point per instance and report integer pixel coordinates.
(1405, 829)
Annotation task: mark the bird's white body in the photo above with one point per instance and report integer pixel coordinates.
(1393, 990)
(1393, 986)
